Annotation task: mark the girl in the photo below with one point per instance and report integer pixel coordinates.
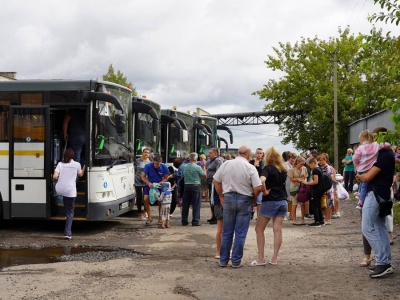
(165, 198)
(297, 174)
(66, 172)
(317, 192)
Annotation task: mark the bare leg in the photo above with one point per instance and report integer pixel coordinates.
(307, 208)
(146, 205)
(218, 237)
(261, 223)
(277, 227)
(294, 207)
(302, 209)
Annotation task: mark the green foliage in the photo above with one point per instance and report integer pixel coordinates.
(305, 90)
(118, 78)
(392, 8)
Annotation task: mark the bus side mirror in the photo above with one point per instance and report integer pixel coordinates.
(120, 123)
(155, 124)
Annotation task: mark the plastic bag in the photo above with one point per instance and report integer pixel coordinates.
(341, 192)
(154, 193)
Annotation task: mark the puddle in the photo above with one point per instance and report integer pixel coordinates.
(27, 256)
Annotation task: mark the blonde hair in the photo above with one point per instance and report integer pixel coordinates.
(203, 156)
(298, 160)
(366, 136)
(273, 157)
(324, 156)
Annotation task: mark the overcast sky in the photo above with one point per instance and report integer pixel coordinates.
(188, 53)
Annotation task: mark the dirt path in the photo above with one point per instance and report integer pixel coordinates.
(314, 263)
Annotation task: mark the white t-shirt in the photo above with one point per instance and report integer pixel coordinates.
(66, 185)
(238, 175)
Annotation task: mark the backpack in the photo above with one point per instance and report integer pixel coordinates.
(326, 180)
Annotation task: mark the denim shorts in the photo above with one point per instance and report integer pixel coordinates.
(272, 209)
(146, 190)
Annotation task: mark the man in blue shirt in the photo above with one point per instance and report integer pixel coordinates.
(155, 172)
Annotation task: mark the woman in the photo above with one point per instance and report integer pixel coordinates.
(349, 171)
(297, 174)
(273, 205)
(66, 172)
(139, 184)
(323, 160)
(204, 185)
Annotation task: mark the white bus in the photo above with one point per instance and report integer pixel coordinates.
(32, 143)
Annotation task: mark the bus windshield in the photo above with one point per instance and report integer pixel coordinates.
(112, 128)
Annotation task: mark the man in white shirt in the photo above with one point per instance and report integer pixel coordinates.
(238, 185)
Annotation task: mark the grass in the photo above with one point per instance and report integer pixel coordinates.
(396, 212)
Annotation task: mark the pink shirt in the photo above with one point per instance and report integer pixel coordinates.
(366, 155)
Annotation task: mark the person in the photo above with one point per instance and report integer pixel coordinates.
(192, 174)
(174, 190)
(316, 192)
(74, 129)
(155, 172)
(204, 185)
(323, 160)
(258, 162)
(274, 204)
(308, 209)
(297, 175)
(348, 172)
(286, 156)
(237, 184)
(165, 198)
(66, 172)
(213, 163)
(139, 183)
(380, 179)
(364, 158)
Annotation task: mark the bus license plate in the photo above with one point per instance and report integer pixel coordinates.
(124, 205)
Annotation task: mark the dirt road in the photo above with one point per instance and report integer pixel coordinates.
(314, 263)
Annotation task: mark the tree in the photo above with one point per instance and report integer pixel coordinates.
(118, 78)
(386, 60)
(304, 94)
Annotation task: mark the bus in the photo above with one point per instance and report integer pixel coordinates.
(176, 134)
(146, 120)
(205, 135)
(32, 143)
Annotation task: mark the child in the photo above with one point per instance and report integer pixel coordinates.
(317, 192)
(165, 198)
(364, 158)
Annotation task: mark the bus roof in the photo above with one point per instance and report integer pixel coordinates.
(53, 85)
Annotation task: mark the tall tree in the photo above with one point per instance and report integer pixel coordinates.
(304, 93)
(118, 78)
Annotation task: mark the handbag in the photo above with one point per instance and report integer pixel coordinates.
(341, 192)
(293, 191)
(385, 206)
(303, 194)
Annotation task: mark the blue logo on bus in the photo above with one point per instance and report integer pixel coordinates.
(105, 185)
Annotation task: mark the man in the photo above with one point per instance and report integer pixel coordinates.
(380, 178)
(192, 174)
(74, 129)
(237, 184)
(155, 172)
(213, 163)
(259, 164)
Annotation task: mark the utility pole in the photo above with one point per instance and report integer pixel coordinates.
(335, 114)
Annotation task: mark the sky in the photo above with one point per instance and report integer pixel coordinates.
(187, 53)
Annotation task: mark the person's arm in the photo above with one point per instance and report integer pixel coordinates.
(67, 118)
(357, 156)
(220, 192)
(55, 175)
(368, 176)
(333, 175)
(314, 182)
(144, 179)
(82, 172)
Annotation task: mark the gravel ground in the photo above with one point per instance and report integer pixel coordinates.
(177, 263)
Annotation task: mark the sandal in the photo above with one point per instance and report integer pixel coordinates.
(149, 221)
(255, 263)
(161, 226)
(366, 262)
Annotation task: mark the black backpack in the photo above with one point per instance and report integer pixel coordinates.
(326, 180)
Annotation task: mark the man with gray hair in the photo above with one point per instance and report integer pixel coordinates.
(238, 185)
(192, 174)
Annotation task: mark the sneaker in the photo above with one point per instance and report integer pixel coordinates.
(67, 237)
(381, 270)
(327, 223)
(309, 216)
(315, 225)
(359, 207)
(213, 222)
(237, 266)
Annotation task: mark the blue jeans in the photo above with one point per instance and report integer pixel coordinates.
(77, 143)
(375, 231)
(191, 196)
(69, 213)
(236, 220)
(362, 189)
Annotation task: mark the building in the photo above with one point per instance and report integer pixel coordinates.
(8, 76)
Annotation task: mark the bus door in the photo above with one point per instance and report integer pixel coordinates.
(29, 168)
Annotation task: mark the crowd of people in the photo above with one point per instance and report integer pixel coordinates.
(269, 187)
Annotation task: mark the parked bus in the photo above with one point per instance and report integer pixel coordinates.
(146, 119)
(32, 143)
